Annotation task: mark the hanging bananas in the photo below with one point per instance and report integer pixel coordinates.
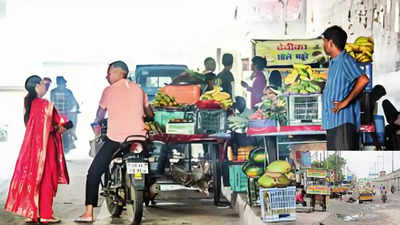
(361, 50)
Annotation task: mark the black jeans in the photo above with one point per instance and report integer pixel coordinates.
(99, 166)
(343, 137)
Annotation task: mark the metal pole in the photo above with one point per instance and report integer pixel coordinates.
(392, 161)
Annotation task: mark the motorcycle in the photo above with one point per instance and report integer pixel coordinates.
(124, 185)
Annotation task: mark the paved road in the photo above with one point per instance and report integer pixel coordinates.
(367, 213)
(183, 207)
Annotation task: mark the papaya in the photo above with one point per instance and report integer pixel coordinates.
(273, 174)
(266, 181)
(258, 156)
(282, 181)
(280, 166)
(290, 176)
(252, 170)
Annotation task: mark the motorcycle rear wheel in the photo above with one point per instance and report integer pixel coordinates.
(114, 207)
(135, 208)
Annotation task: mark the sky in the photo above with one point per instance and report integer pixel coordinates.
(173, 31)
(362, 163)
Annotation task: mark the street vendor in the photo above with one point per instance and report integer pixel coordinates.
(300, 198)
(346, 80)
(258, 65)
(210, 65)
(226, 76)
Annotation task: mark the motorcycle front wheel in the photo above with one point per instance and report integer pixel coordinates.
(135, 204)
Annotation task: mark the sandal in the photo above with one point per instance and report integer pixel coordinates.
(82, 219)
(50, 221)
(30, 220)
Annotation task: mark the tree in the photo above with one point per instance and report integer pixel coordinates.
(333, 162)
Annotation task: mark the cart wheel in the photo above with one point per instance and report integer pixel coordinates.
(216, 172)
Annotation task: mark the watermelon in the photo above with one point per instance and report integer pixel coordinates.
(252, 170)
(258, 156)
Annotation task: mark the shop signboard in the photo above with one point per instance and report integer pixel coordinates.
(318, 190)
(287, 52)
(317, 173)
(306, 159)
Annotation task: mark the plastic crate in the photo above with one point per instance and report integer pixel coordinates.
(380, 131)
(367, 69)
(163, 116)
(278, 204)
(237, 178)
(305, 109)
(211, 121)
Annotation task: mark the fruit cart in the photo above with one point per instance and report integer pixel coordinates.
(183, 119)
(213, 143)
(316, 186)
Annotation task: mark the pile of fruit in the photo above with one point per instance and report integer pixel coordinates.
(361, 50)
(254, 167)
(152, 127)
(278, 174)
(302, 80)
(179, 121)
(219, 96)
(163, 100)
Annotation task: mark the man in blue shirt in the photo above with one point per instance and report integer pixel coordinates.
(346, 80)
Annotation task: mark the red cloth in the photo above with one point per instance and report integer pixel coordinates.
(299, 197)
(40, 166)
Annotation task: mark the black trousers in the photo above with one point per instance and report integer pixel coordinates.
(99, 166)
(343, 137)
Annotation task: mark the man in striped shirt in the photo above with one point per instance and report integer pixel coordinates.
(346, 80)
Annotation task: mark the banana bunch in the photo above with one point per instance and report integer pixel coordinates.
(361, 50)
(218, 95)
(300, 79)
(163, 100)
(152, 127)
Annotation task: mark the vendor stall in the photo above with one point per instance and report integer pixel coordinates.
(298, 70)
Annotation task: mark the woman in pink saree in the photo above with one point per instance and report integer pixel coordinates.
(41, 165)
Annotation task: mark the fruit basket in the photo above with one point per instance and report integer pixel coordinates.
(278, 204)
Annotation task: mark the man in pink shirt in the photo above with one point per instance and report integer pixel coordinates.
(127, 105)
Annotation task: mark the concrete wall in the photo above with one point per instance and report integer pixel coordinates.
(388, 181)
